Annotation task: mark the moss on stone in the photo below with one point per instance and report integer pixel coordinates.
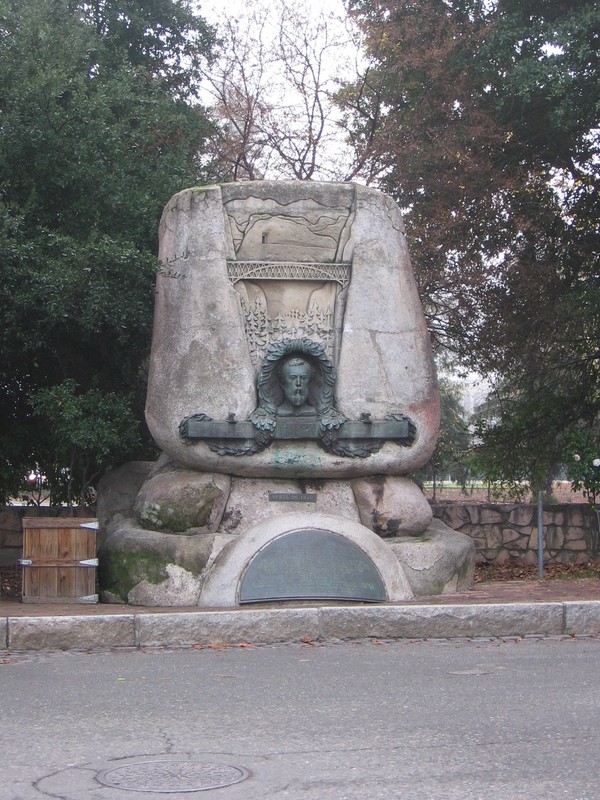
(191, 508)
(119, 572)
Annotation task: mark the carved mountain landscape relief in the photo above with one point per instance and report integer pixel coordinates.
(287, 270)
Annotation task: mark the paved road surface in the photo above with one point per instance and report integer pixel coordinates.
(413, 721)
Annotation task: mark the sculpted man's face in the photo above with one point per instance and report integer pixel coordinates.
(295, 381)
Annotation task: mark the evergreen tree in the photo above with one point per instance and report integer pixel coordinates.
(97, 133)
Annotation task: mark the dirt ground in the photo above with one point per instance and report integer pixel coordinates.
(561, 493)
(10, 582)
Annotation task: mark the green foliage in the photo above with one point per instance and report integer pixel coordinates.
(481, 119)
(164, 37)
(88, 434)
(85, 148)
(96, 136)
(451, 456)
(511, 465)
(583, 463)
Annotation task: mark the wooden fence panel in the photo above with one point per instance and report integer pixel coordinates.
(59, 560)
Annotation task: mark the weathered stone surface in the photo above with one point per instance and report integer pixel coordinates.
(180, 588)
(522, 516)
(529, 557)
(581, 544)
(222, 582)
(201, 360)
(533, 538)
(555, 538)
(249, 502)
(493, 537)
(10, 520)
(510, 535)
(130, 555)
(219, 542)
(580, 558)
(392, 506)
(439, 622)
(573, 534)
(582, 617)
(489, 516)
(70, 633)
(576, 517)
(174, 502)
(13, 539)
(3, 633)
(455, 515)
(10, 555)
(117, 490)
(271, 625)
(264, 626)
(555, 517)
(441, 562)
(519, 536)
(519, 542)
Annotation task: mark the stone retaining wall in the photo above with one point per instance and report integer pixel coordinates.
(500, 532)
(503, 532)
(11, 530)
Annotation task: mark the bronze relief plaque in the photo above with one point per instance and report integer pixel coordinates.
(311, 564)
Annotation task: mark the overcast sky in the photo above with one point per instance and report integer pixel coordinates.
(337, 63)
(213, 10)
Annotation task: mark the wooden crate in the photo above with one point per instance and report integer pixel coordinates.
(59, 560)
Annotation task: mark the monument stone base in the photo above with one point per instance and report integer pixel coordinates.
(260, 540)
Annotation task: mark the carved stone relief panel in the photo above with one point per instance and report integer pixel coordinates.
(288, 269)
(260, 264)
(303, 231)
(282, 300)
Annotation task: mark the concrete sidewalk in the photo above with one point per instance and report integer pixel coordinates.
(516, 608)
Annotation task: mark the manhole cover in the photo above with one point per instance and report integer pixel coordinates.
(171, 776)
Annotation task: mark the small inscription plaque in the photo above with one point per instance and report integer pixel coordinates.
(292, 497)
(311, 564)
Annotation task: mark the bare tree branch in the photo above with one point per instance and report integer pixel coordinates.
(273, 91)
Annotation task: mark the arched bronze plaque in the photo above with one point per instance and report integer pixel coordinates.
(311, 565)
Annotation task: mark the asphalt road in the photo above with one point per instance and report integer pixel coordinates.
(516, 720)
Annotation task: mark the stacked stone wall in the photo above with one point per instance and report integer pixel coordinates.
(500, 532)
(503, 532)
(11, 528)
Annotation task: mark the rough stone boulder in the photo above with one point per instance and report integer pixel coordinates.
(392, 506)
(176, 501)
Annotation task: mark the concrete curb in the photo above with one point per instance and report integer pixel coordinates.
(275, 625)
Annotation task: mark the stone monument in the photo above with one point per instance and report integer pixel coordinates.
(291, 390)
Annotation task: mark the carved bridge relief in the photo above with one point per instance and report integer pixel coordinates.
(288, 271)
(285, 300)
